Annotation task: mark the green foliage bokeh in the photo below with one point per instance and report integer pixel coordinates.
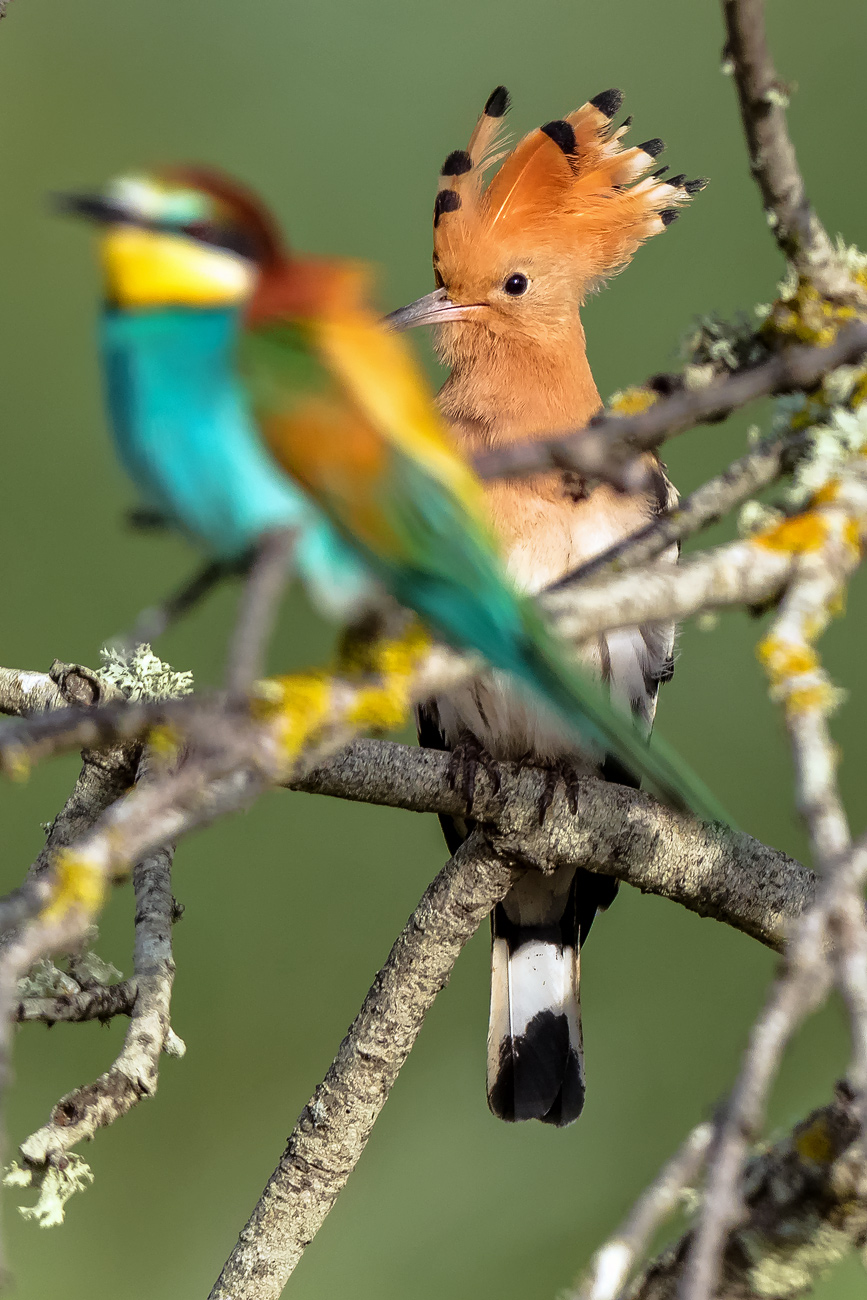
(341, 113)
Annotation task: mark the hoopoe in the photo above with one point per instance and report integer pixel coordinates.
(513, 263)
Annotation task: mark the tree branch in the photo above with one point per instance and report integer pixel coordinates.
(334, 1127)
(607, 447)
(611, 1265)
(706, 505)
(134, 1074)
(105, 773)
(837, 915)
(100, 1003)
(763, 98)
(616, 831)
(805, 1205)
(22, 693)
(752, 572)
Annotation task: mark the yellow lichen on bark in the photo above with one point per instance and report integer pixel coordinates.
(296, 705)
(78, 883)
(802, 533)
(385, 705)
(632, 401)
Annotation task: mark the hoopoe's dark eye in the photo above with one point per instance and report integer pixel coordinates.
(516, 284)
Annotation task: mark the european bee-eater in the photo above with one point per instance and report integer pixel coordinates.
(178, 273)
(513, 263)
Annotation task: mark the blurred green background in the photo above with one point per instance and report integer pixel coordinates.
(341, 112)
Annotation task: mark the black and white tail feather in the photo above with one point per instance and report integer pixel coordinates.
(535, 1058)
(535, 1043)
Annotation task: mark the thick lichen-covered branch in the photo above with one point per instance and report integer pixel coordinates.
(615, 830)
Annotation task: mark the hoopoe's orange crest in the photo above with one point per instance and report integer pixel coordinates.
(566, 208)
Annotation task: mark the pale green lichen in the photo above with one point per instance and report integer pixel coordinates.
(851, 257)
(45, 980)
(56, 1185)
(713, 342)
(140, 675)
(753, 517)
(780, 1271)
(95, 970)
(777, 96)
(833, 420)
(174, 1045)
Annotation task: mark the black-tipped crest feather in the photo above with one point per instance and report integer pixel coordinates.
(457, 163)
(498, 102)
(562, 134)
(608, 102)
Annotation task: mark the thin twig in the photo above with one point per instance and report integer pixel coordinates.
(135, 1073)
(334, 1127)
(260, 597)
(612, 1264)
(752, 572)
(799, 682)
(607, 447)
(763, 98)
(153, 622)
(706, 505)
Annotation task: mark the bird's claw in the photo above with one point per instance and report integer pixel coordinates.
(561, 771)
(468, 755)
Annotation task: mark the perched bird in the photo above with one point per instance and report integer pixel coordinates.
(513, 263)
(179, 270)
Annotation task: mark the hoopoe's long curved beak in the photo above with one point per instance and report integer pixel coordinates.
(433, 309)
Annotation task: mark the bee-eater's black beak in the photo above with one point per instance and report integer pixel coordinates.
(433, 309)
(93, 207)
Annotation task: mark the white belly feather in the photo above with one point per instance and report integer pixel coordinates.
(511, 723)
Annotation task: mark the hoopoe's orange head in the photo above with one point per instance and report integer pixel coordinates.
(567, 207)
